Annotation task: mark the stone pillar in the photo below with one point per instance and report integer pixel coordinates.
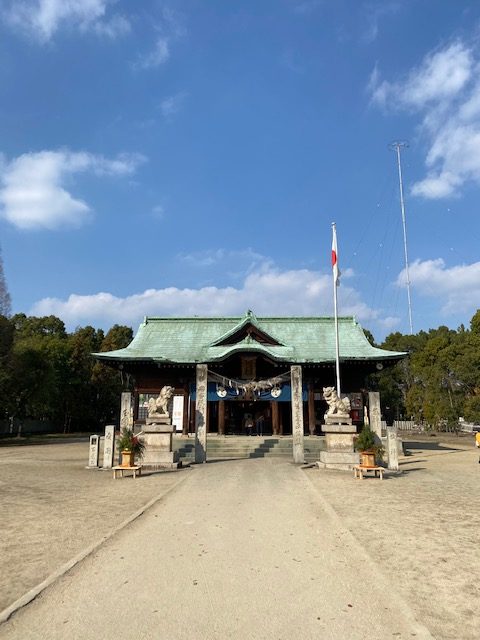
(274, 408)
(221, 417)
(201, 415)
(375, 415)
(109, 446)
(126, 415)
(392, 448)
(93, 451)
(297, 414)
(311, 410)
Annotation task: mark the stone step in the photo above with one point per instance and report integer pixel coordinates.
(236, 447)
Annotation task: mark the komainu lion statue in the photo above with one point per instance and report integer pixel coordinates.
(336, 406)
(159, 405)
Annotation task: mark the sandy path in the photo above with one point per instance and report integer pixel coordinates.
(241, 550)
(423, 530)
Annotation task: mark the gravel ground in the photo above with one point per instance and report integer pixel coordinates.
(420, 528)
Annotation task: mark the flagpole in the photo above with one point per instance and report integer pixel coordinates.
(335, 304)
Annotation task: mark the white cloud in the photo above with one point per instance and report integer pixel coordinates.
(266, 290)
(32, 186)
(445, 91)
(170, 28)
(215, 257)
(375, 12)
(172, 104)
(157, 56)
(457, 288)
(43, 18)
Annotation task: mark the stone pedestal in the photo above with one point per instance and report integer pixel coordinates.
(157, 437)
(339, 452)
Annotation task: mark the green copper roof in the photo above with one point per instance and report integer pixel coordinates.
(295, 340)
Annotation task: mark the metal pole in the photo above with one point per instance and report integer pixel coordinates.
(396, 146)
(335, 311)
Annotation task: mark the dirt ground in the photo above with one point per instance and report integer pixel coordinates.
(53, 507)
(421, 526)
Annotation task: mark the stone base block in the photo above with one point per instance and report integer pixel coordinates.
(337, 419)
(159, 458)
(158, 428)
(159, 467)
(342, 460)
(161, 418)
(339, 428)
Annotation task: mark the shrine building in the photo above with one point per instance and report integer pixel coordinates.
(245, 367)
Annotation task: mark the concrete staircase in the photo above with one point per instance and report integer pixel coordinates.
(238, 447)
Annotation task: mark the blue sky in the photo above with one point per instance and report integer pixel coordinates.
(188, 158)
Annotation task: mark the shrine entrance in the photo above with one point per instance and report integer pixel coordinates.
(244, 418)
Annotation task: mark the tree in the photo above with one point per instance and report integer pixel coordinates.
(5, 300)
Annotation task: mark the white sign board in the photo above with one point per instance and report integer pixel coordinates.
(177, 413)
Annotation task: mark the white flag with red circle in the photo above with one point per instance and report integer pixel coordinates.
(336, 271)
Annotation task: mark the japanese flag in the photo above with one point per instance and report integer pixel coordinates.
(336, 271)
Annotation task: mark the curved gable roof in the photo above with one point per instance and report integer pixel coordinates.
(298, 340)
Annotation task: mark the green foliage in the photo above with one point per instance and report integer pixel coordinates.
(130, 442)
(47, 373)
(365, 441)
(439, 382)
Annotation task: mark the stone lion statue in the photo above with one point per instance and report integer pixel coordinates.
(336, 406)
(159, 405)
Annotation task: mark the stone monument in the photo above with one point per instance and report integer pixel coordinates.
(93, 452)
(109, 446)
(392, 448)
(158, 431)
(339, 431)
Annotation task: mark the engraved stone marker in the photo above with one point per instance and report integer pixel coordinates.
(375, 415)
(126, 415)
(94, 451)
(297, 414)
(392, 448)
(201, 414)
(109, 446)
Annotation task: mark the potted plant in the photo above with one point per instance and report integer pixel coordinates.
(370, 452)
(129, 446)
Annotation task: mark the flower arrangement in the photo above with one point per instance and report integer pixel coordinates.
(128, 441)
(365, 442)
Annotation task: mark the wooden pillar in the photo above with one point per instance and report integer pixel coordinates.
(201, 414)
(297, 414)
(311, 410)
(275, 422)
(221, 417)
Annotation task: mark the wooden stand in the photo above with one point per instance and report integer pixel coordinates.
(360, 469)
(136, 469)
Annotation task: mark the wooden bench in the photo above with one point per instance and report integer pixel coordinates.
(135, 469)
(360, 469)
